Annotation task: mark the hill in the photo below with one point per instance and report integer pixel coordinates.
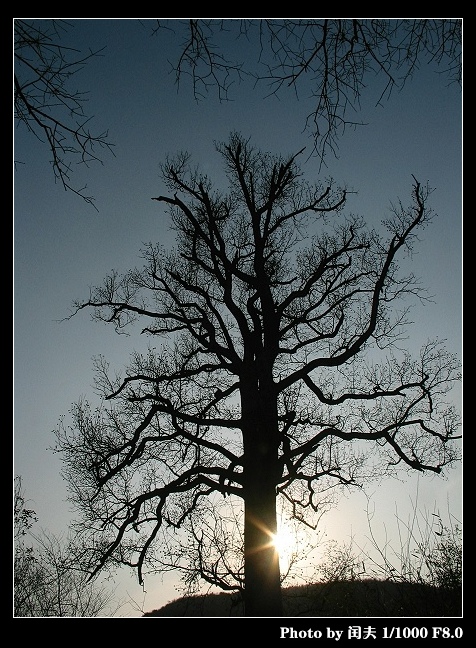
(357, 598)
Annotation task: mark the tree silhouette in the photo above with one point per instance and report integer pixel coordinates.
(279, 371)
(327, 60)
(46, 103)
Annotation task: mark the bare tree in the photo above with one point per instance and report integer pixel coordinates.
(327, 60)
(48, 579)
(277, 370)
(46, 103)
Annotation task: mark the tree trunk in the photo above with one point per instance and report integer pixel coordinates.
(262, 576)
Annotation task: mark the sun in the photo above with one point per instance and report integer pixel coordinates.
(284, 541)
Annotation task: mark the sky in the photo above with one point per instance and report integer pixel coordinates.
(62, 246)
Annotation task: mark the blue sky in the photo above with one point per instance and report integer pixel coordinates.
(62, 245)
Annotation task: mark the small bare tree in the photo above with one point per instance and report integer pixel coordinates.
(48, 579)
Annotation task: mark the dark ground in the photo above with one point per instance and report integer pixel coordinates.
(358, 598)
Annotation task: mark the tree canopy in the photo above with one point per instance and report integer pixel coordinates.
(46, 102)
(327, 60)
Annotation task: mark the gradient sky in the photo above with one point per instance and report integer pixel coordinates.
(62, 245)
